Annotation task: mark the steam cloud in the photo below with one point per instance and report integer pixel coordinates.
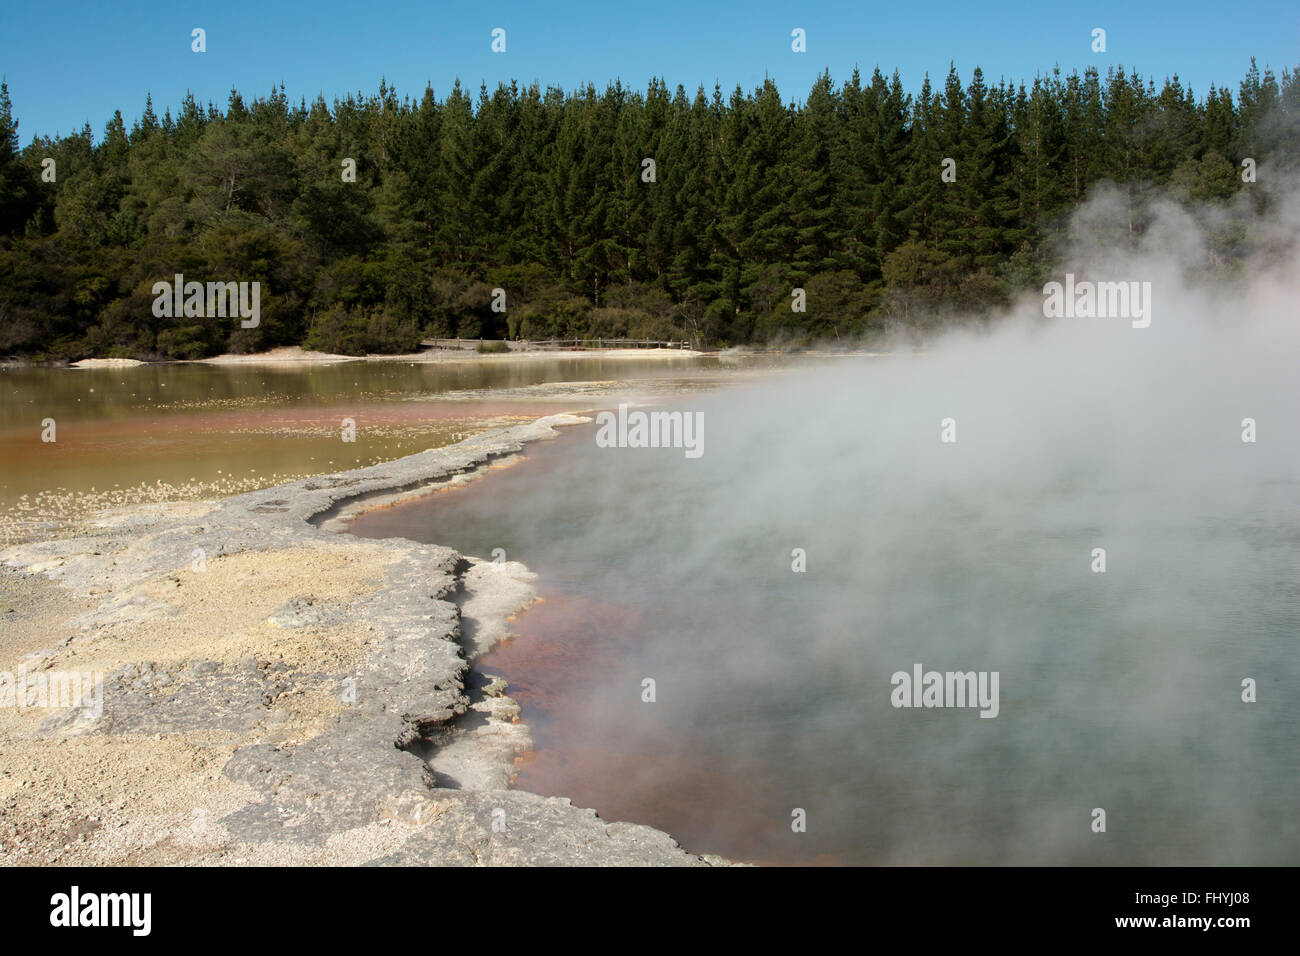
(1120, 690)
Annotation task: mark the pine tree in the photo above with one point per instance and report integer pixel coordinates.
(922, 189)
(19, 190)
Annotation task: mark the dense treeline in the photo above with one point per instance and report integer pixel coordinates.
(543, 194)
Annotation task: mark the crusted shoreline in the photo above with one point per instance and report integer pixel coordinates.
(275, 693)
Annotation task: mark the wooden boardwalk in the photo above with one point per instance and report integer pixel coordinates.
(554, 345)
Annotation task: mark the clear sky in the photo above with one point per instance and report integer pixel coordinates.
(72, 62)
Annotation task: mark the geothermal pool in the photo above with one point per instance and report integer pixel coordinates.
(775, 690)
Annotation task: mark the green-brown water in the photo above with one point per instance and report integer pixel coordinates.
(162, 432)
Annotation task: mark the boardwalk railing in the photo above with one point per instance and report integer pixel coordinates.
(563, 344)
(557, 345)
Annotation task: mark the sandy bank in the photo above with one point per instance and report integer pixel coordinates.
(106, 363)
(288, 355)
(293, 355)
(274, 693)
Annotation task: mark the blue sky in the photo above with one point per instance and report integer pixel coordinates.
(72, 62)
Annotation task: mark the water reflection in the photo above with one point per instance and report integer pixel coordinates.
(208, 430)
